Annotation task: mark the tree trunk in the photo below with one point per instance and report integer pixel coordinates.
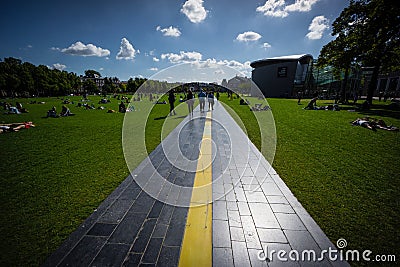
(373, 83)
(343, 98)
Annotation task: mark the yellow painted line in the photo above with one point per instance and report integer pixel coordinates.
(197, 240)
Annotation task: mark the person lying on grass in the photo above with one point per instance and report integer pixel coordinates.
(15, 127)
(373, 124)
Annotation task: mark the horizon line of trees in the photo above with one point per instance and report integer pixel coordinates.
(24, 79)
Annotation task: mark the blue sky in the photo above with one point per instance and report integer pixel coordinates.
(141, 37)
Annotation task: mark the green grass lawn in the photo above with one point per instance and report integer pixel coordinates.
(56, 174)
(346, 177)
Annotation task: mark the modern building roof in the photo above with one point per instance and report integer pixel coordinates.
(274, 60)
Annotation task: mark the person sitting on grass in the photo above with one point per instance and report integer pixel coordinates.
(52, 113)
(312, 104)
(65, 111)
(122, 107)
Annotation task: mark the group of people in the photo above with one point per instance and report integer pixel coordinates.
(65, 112)
(190, 98)
(17, 109)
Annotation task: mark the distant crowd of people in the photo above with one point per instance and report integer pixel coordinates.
(203, 97)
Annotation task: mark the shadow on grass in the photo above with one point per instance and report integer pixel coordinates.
(381, 110)
(160, 118)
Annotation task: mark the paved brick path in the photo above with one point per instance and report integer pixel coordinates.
(253, 208)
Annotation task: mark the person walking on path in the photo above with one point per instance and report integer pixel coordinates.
(202, 99)
(210, 98)
(190, 101)
(171, 100)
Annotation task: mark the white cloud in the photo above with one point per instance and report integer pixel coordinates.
(277, 8)
(80, 49)
(219, 71)
(153, 69)
(126, 50)
(170, 31)
(301, 6)
(317, 27)
(266, 45)
(182, 57)
(273, 8)
(194, 10)
(101, 69)
(59, 66)
(156, 59)
(55, 48)
(248, 37)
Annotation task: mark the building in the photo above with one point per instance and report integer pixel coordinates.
(239, 84)
(283, 76)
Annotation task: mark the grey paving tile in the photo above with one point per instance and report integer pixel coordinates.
(152, 251)
(143, 236)
(128, 228)
(243, 208)
(131, 192)
(254, 258)
(300, 240)
(273, 249)
(263, 215)
(84, 252)
(277, 200)
(111, 255)
(116, 211)
(290, 221)
(102, 229)
(271, 235)
(271, 189)
(219, 210)
(240, 195)
(222, 257)
(240, 255)
(234, 218)
(176, 227)
(156, 209)
(282, 208)
(237, 234)
(169, 256)
(230, 196)
(221, 236)
(218, 188)
(143, 203)
(250, 232)
(166, 214)
(132, 260)
(159, 231)
(231, 205)
(255, 196)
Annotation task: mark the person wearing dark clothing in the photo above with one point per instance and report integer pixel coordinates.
(171, 100)
(122, 107)
(190, 102)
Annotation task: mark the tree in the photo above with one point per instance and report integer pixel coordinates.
(90, 86)
(92, 74)
(368, 32)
